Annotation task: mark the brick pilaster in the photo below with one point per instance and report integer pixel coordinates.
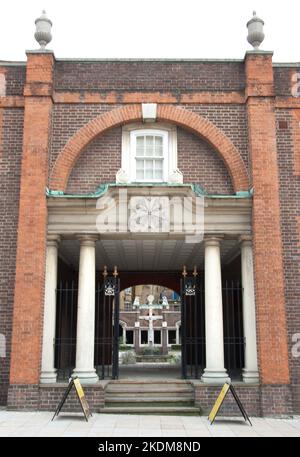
(296, 137)
(267, 239)
(32, 228)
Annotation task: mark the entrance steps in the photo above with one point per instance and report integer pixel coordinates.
(150, 397)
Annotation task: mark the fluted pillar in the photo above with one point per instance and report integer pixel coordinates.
(215, 371)
(86, 312)
(48, 373)
(250, 371)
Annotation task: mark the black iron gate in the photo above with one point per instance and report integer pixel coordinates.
(192, 327)
(234, 341)
(65, 335)
(106, 359)
(107, 328)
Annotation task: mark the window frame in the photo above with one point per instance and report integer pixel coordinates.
(144, 330)
(125, 337)
(172, 330)
(170, 161)
(133, 156)
(158, 330)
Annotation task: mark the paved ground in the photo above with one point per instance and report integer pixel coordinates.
(106, 425)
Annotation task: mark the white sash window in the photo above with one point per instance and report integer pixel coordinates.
(149, 154)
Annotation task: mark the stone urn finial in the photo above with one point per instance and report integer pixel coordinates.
(255, 31)
(43, 30)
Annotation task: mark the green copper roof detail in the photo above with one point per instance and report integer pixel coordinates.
(103, 188)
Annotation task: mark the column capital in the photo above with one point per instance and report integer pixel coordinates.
(245, 240)
(87, 240)
(53, 240)
(213, 240)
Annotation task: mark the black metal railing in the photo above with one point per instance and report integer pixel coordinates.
(234, 342)
(106, 340)
(66, 320)
(107, 319)
(107, 328)
(192, 327)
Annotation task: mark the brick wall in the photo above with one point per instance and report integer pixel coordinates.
(14, 78)
(130, 318)
(200, 164)
(206, 395)
(296, 141)
(149, 76)
(231, 119)
(67, 119)
(283, 80)
(257, 400)
(32, 226)
(100, 161)
(47, 398)
(267, 237)
(290, 211)
(10, 166)
(97, 164)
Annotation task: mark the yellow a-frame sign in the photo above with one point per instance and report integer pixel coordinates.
(218, 403)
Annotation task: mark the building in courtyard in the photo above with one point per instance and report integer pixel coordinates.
(121, 173)
(134, 327)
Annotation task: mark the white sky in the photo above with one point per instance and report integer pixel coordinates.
(150, 29)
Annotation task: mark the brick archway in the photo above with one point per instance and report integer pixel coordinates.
(132, 113)
(161, 278)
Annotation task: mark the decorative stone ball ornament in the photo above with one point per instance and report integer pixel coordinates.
(255, 31)
(43, 30)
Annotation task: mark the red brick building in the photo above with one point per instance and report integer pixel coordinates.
(231, 127)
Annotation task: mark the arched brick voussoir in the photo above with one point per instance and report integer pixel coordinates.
(132, 113)
(70, 153)
(214, 136)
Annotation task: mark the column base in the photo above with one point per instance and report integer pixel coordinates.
(48, 377)
(215, 376)
(86, 377)
(250, 376)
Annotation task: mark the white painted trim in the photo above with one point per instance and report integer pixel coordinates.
(147, 330)
(178, 325)
(149, 112)
(127, 170)
(133, 136)
(123, 325)
(129, 330)
(174, 330)
(227, 216)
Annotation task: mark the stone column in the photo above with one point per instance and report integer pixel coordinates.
(214, 371)
(137, 337)
(86, 312)
(250, 372)
(164, 337)
(177, 333)
(48, 373)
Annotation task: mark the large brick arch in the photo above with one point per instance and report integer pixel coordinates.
(132, 113)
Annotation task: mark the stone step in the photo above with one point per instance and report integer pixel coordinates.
(142, 401)
(150, 381)
(144, 410)
(149, 386)
(146, 396)
(148, 390)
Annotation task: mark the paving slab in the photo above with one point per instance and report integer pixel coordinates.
(101, 425)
